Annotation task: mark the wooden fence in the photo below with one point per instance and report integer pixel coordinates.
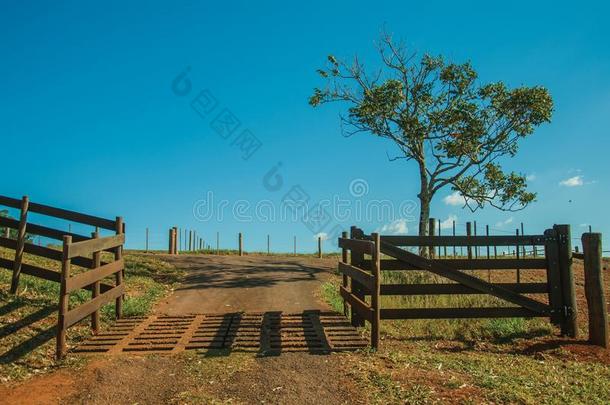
(77, 250)
(366, 264)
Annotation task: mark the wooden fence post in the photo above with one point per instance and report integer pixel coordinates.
(23, 221)
(375, 301)
(431, 232)
(469, 233)
(118, 255)
(517, 256)
(357, 289)
(170, 242)
(344, 259)
(241, 244)
(476, 248)
(175, 240)
(319, 247)
(594, 289)
(60, 350)
(570, 324)
(190, 241)
(553, 276)
(7, 232)
(146, 240)
(96, 262)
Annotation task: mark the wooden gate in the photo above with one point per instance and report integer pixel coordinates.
(362, 277)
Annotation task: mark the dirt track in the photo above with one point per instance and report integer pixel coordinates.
(220, 284)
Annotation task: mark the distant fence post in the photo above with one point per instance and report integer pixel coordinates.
(594, 289)
(268, 245)
(319, 247)
(217, 243)
(569, 326)
(146, 240)
(241, 244)
(118, 255)
(23, 220)
(170, 242)
(60, 350)
(175, 238)
(375, 301)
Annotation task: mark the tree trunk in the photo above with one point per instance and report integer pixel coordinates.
(424, 206)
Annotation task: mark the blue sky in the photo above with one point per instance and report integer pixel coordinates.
(89, 120)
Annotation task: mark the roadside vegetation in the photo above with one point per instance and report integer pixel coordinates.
(28, 321)
(513, 360)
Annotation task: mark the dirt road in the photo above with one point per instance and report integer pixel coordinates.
(220, 284)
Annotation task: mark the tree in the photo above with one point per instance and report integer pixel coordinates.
(442, 118)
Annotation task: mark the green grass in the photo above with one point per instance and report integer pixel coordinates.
(507, 377)
(28, 320)
(432, 361)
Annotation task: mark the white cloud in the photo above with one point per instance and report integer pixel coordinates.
(507, 221)
(455, 199)
(572, 182)
(530, 177)
(396, 227)
(448, 223)
(322, 235)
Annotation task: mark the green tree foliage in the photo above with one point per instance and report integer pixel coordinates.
(439, 116)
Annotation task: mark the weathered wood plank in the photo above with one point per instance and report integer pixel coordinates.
(32, 270)
(77, 314)
(441, 289)
(72, 216)
(89, 277)
(453, 313)
(502, 240)
(357, 305)
(41, 230)
(466, 264)
(357, 274)
(95, 245)
(10, 202)
(363, 246)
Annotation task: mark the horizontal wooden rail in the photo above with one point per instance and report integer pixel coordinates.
(503, 240)
(40, 230)
(357, 305)
(60, 213)
(363, 246)
(45, 274)
(87, 247)
(446, 288)
(77, 314)
(361, 276)
(468, 264)
(451, 313)
(89, 277)
(32, 270)
(45, 252)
